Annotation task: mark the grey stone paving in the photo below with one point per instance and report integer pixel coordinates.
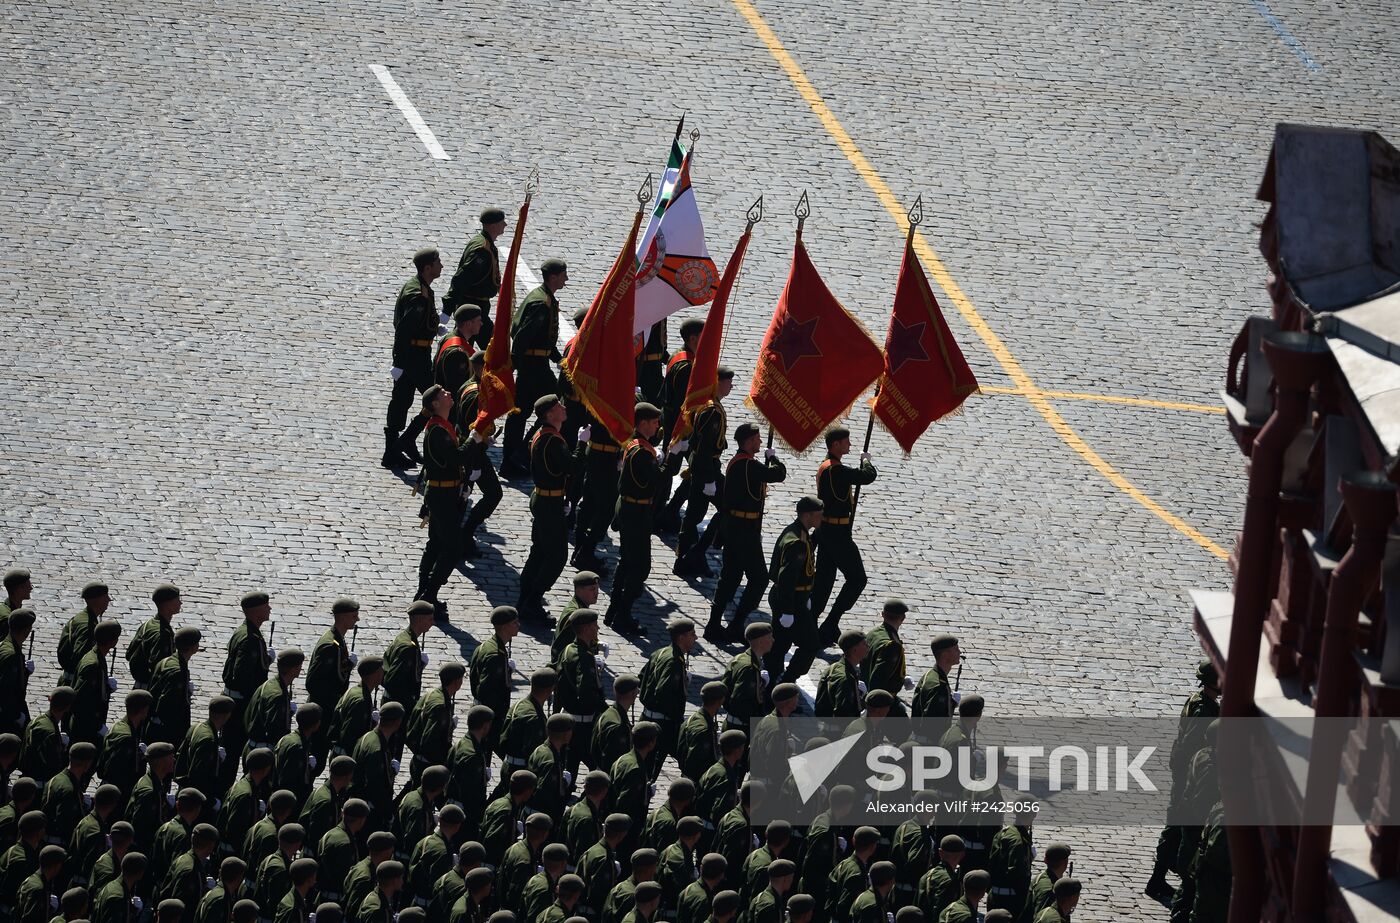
(209, 209)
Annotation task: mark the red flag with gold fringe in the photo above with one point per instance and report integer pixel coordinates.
(704, 368)
(925, 377)
(496, 393)
(815, 361)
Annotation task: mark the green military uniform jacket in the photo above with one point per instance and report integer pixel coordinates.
(743, 678)
(834, 488)
(1201, 792)
(839, 693)
(552, 792)
(75, 641)
(938, 887)
(665, 683)
(88, 842)
(198, 763)
(959, 911)
(93, 693)
(14, 687)
(45, 750)
(216, 906)
(621, 899)
(516, 867)
(580, 689)
(1052, 914)
(523, 731)
(717, 791)
(374, 779)
(415, 323)
(403, 671)
(550, 467)
(598, 867)
(583, 826)
(707, 443)
(359, 884)
(430, 727)
(660, 830)
(534, 331)
(563, 632)
(185, 879)
(677, 868)
(243, 808)
(489, 676)
(319, 814)
(792, 569)
(105, 871)
(415, 817)
(870, 907)
(770, 743)
(933, 697)
(123, 754)
(848, 879)
(499, 825)
(746, 481)
(883, 667)
(535, 897)
(336, 854)
(693, 906)
(375, 908)
(697, 746)
(17, 864)
(63, 803)
(822, 854)
(1009, 863)
(733, 840)
(754, 874)
(911, 852)
(246, 662)
(32, 901)
(273, 880)
(328, 674)
(112, 904)
(766, 907)
(172, 841)
(554, 913)
(147, 808)
(352, 719)
(427, 863)
(1042, 894)
(673, 390)
(630, 783)
(292, 767)
(170, 690)
(469, 765)
(450, 888)
(153, 642)
(269, 714)
(476, 280)
(292, 908)
(612, 736)
(1212, 873)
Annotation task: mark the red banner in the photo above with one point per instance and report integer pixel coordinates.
(496, 391)
(816, 358)
(925, 376)
(704, 367)
(601, 363)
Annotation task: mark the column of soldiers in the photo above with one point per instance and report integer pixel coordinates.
(351, 789)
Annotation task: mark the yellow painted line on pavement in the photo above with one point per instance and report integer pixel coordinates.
(1037, 398)
(1111, 399)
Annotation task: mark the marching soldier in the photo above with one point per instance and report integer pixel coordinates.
(851, 874)
(375, 767)
(769, 905)
(534, 332)
(444, 457)
(934, 696)
(433, 721)
(665, 687)
(273, 880)
(171, 687)
(245, 669)
(651, 363)
(504, 819)
(637, 486)
(356, 713)
(646, 903)
(913, 847)
(525, 727)
(295, 767)
(415, 326)
(678, 866)
(1066, 898)
(1009, 862)
(339, 848)
(19, 586)
(694, 903)
(724, 908)
(828, 839)
(875, 901)
(746, 679)
(631, 783)
(697, 744)
(586, 585)
(549, 465)
(580, 690)
(938, 887)
(491, 668)
(46, 738)
(76, 639)
(113, 903)
(94, 685)
(155, 639)
(746, 483)
(63, 795)
(359, 883)
(623, 896)
(549, 762)
(173, 837)
(478, 465)
(841, 692)
(478, 276)
(416, 809)
(405, 659)
(452, 366)
(432, 856)
(523, 857)
(124, 750)
(458, 880)
(958, 741)
(89, 838)
(246, 801)
(660, 830)
(295, 906)
(327, 805)
(328, 674)
(612, 732)
(469, 906)
(538, 893)
(583, 821)
(718, 789)
(201, 755)
(771, 745)
(791, 569)
(148, 807)
(598, 455)
(884, 667)
(15, 670)
(600, 868)
(268, 717)
(672, 402)
(707, 443)
(837, 550)
(1042, 892)
(217, 905)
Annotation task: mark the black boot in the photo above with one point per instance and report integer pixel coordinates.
(714, 630)
(393, 459)
(408, 442)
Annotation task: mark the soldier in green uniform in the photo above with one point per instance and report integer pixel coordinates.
(491, 667)
(596, 455)
(328, 673)
(637, 485)
(884, 666)
(89, 838)
(694, 903)
(123, 751)
(46, 738)
(707, 442)
(376, 767)
(150, 803)
(964, 909)
(771, 745)
(549, 761)
(15, 670)
(538, 892)
(828, 839)
(841, 692)
(534, 335)
(746, 679)
(580, 690)
(745, 496)
(469, 907)
(697, 744)
(93, 685)
(1200, 793)
(872, 904)
(672, 401)
(1042, 893)
(405, 658)
(295, 767)
(76, 639)
(295, 906)
(360, 880)
(108, 867)
(452, 364)
(665, 687)
(567, 895)
(717, 791)
(550, 467)
(184, 879)
(324, 809)
(245, 669)
(19, 586)
(504, 818)
(356, 713)
(523, 857)
(612, 732)
(791, 570)
(837, 549)
(851, 873)
(913, 848)
(660, 830)
(268, 717)
(272, 880)
(416, 808)
(469, 767)
(632, 787)
(63, 795)
(245, 802)
(155, 639)
(433, 721)
(938, 887)
(478, 467)
(432, 856)
(586, 586)
(72, 906)
(960, 741)
(678, 866)
(934, 696)
(600, 867)
(460, 879)
(261, 840)
(777, 838)
(171, 688)
(339, 848)
(583, 821)
(477, 278)
(1009, 862)
(624, 894)
(378, 905)
(1066, 895)
(415, 326)
(524, 727)
(646, 903)
(769, 905)
(1212, 873)
(119, 900)
(445, 455)
(1203, 704)
(21, 859)
(724, 908)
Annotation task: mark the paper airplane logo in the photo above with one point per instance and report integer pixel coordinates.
(810, 769)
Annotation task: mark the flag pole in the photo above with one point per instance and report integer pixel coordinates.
(802, 210)
(916, 218)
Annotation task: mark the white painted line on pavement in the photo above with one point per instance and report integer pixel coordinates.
(410, 112)
(1286, 36)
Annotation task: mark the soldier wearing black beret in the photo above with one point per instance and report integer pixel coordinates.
(491, 668)
(452, 366)
(445, 457)
(746, 483)
(76, 639)
(245, 669)
(550, 465)
(15, 669)
(155, 639)
(709, 433)
(637, 486)
(355, 713)
(791, 569)
(837, 550)
(18, 588)
(328, 674)
(415, 326)
(432, 722)
(477, 278)
(534, 337)
(93, 684)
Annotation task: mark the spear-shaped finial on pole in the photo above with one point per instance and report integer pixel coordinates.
(755, 213)
(803, 209)
(679, 126)
(645, 192)
(916, 215)
(532, 181)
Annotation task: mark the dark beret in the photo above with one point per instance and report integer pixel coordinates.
(1207, 674)
(501, 916)
(728, 902)
(451, 814)
(390, 711)
(645, 732)
(290, 657)
(596, 780)
(245, 911)
(291, 833)
(691, 327)
(260, 758)
(95, 589)
(733, 739)
(551, 266)
(478, 716)
(479, 878)
(895, 606)
(865, 836)
(713, 864)
(107, 794)
(308, 714)
(780, 867)
(778, 830)
(134, 862)
(882, 872)
(344, 605)
(504, 615)
(746, 431)
(648, 891)
(160, 749)
(681, 789)
(107, 631)
(522, 779)
(170, 907)
(52, 853)
(585, 578)
(544, 677)
(646, 411)
(583, 617)
(836, 434)
(425, 255)
(281, 800)
(617, 823)
(356, 807)
(435, 777)
(800, 904)
(82, 750)
(471, 852)
(952, 843)
(492, 216)
(432, 393)
(555, 852)
(32, 821)
(253, 599)
(850, 638)
(625, 683)
(977, 880)
(539, 821)
(879, 698)
(1056, 853)
(724, 373)
(73, 902)
(342, 765)
(187, 637)
(559, 722)
(23, 617)
(757, 630)
(690, 825)
(810, 505)
(1068, 887)
(677, 627)
(713, 691)
(138, 699)
(121, 829)
(329, 912)
(164, 593)
(646, 857)
(971, 706)
(785, 691)
(381, 841)
(908, 914)
(205, 833)
(15, 576)
(420, 607)
(369, 665)
(545, 404)
(999, 915)
(451, 672)
(466, 312)
(62, 696)
(941, 643)
(570, 884)
(389, 870)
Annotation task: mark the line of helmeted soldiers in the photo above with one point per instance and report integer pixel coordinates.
(584, 482)
(269, 801)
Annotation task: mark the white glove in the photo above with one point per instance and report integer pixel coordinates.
(423, 658)
(770, 454)
(444, 317)
(568, 779)
(442, 330)
(189, 687)
(311, 761)
(394, 765)
(137, 904)
(111, 684)
(754, 839)
(864, 457)
(292, 706)
(651, 789)
(908, 682)
(209, 882)
(374, 716)
(29, 666)
(474, 436)
(617, 867)
(272, 655)
(142, 748)
(763, 675)
(223, 754)
(841, 843)
(585, 432)
(63, 737)
(311, 917)
(103, 731)
(889, 917)
(786, 620)
(519, 827)
(679, 446)
(396, 373)
(861, 687)
(510, 663)
(87, 801)
(476, 473)
(605, 647)
(709, 489)
(957, 698)
(568, 507)
(170, 799)
(53, 901)
(638, 391)
(354, 659)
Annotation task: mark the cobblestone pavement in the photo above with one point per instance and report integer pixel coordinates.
(209, 208)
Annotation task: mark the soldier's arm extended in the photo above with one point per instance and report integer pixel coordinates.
(774, 471)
